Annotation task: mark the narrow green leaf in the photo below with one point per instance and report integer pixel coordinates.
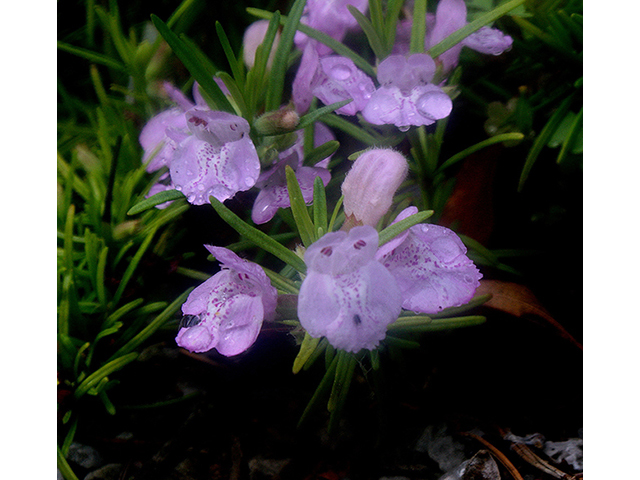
(397, 228)
(121, 312)
(68, 439)
(64, 467)
(343, 385)
(404, 323)
(418, 26)
(299, 209)
(574, 131)
(504, 137)
(451, 323)
(334, 215)
(280, 60)
(178, 12)
(374, 356)
(338, 47)
(307, 347)
(256, 78)
(401, 342)
(281, 282)
(375, 42)
(333, 120)
(543, 139)
(459, 35)
(210, 90)
(153, 326)
(319, 207)
(317, 114)
(236, 93)
(320, 153)
(341, 372)
(103, 372)
(323, 387)
(108, 404)
(236, 68)
(131, 268)
(259, 238)
(101, 291)
(393, 11)
(93, 57)
(324, 343)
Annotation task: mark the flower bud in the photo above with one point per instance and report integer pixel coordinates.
(369, 186)
(276, 122)
(253, 37)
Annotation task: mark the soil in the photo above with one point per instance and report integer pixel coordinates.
(235, 418)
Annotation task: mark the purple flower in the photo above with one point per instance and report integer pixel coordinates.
(348, 296)
(332, 79)
(158, 147)
(226, 312)
(339, 79)
(253, 38)
(218, 158)
(405, 96)
(430, 266)
(370, 185)
(273, 182)
(331, 17)
(451, 15)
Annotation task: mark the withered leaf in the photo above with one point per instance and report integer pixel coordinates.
(519, 300)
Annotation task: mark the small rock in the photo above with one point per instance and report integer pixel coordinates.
(263, 468)
(111, 471)
(441, 447)
(481, 466)
(85, 456)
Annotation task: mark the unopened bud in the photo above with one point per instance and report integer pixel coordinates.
(253, 37)
(369, 186)
(276, 122)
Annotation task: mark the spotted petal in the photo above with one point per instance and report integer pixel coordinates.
(432, 269)
(347, 296)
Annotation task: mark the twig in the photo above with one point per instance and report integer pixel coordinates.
(499, 455)
(527, 454)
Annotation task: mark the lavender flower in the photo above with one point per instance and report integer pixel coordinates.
(332, 79)
(451, 15)
(218, 158)
(157, 146)
(430, 267)
(347, 295)
(339, 79)
(273, 182)
(253, 37)
(405, 96)
(331, 17)
(226, 312)
(370, 185)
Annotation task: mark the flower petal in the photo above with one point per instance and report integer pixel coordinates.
(352, 310)
(488, 40)
(154, 134)
(432, 270)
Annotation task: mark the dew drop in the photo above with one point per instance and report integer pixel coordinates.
(434, 105)
(248, 181)
(340, 72)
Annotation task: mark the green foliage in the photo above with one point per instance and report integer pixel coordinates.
(109, 231)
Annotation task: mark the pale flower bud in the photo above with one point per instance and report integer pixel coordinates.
(369, 186)
(253, 37)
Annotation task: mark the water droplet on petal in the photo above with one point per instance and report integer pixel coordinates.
(249, 181)
(340, 72)
(434, 105)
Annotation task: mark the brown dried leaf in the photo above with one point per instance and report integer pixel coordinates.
(519, 301)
